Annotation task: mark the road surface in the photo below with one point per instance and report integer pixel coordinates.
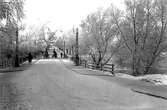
(50, 85)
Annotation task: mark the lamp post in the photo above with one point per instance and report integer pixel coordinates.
(17, 42)
(64, 43)
(64, 48)
(17, 48)
(77, 50)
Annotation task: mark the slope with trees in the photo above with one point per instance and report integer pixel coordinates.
(11, 14)
(136, 37)
(100, 37)
(143, 29)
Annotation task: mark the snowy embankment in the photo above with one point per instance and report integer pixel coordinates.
(157, 79)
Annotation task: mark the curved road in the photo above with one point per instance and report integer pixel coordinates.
(49, 85)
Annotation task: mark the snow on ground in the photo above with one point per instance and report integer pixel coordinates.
(157, 79)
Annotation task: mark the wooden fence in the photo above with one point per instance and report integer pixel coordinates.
(5, 63)
(106, 67)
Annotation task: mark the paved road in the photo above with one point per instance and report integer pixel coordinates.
(49, 85)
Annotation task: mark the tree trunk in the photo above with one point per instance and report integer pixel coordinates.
(147, 69)
(135, 63)
(134, 68)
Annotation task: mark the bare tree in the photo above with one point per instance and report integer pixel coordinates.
(11, 14)
(143, 30)
(47, 37)
(99, 34)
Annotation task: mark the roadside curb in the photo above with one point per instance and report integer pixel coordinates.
(152, 93)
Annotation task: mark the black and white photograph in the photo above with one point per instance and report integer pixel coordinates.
(83, 54)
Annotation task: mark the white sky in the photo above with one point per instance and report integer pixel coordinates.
(62, 14)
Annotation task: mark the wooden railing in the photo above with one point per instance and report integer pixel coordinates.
(106, 67)
(5, 63)
(109, 68)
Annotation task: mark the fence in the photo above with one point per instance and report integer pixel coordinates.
(5, 63)
(106, 67)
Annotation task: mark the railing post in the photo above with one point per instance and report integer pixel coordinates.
(5, 63)
(8, 63)
(94, 65)
(85, 64)
(21, 60)
(101, 67)
(113, 69)
(0, 64)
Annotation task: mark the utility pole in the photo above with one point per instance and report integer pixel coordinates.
(17, 49)
(17, 43)
(77, 50)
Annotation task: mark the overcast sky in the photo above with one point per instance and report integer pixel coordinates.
(62, 14)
